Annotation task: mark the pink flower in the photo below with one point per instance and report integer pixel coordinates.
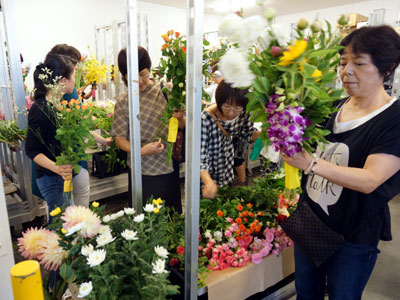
(240, 252)
(276, 51)
(228, 233)
(256, 258)
(269, 237)
(110, 115)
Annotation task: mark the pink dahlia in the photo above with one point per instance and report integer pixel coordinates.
(74, 215)
(51, 255)
(29, 243)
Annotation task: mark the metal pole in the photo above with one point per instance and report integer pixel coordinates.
(195, 11)
(133, 91)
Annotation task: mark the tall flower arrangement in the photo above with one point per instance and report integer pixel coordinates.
(173, 68)
(292, 85)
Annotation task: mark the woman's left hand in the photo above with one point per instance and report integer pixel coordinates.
(300, 160)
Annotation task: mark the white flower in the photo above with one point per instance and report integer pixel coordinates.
(139, 218)
(159, 266)
(269, 13)
(265, 38)
(208, 234)
(106, 218)
(230, 26)
(161, 251)
(280, 34)
(129, 235)
(86, 250)
(105, 229)
(250, 30)
(149, 208)
(75, 228)
(218, 236)
(283, 211)
(235, 69)
(85, 289)
(129, 211)
(96, 257)
(104, 239)
(120, 213)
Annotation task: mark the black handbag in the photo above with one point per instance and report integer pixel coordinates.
(315, 239)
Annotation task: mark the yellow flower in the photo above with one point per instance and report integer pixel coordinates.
(63, 230)
(55, 212)
(156, 210)
(95, 204)
(164, 35)
(157, 202)
(317, 73)
(292, 53)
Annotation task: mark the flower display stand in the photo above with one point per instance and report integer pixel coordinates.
(241, 283)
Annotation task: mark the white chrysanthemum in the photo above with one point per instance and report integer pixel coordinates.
(96, 257)
(208, 234)
(76, 214)
(139, 218)
(161, 251)
(106, 219)
(250, 30)
(159, 266)
(218, 236)
(75, 228)
(235, 69)
(230, 26)
(105, 229)
(52, 254)
(85, 289)
(280, 34)
(265, 38)
(149, 208)
(129, 211)
(86, 250)
(120, 213)
(129, 235)
(104, 239)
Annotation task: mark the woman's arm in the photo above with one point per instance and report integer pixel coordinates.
(101, 140)
(65, 171)
(210, 188)
(377, 169)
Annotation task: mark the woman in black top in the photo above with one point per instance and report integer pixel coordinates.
(357, 173)
(41, 145)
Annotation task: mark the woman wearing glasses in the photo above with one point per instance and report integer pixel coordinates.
(219, 124)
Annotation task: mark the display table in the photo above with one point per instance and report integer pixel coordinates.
(240, 283)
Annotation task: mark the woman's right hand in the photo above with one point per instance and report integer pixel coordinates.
(152, 148)
(65, 171)
(210, 190)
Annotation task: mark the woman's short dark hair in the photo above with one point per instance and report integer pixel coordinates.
(67, 50)
(144, 62)
(382, 43)
(225, 93)
(60, 65)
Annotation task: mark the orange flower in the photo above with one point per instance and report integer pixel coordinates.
(60, 108)
(64, 102)
(258, 228)
(237, 232)
(220, 213)
(249, 231)
(164, 46)
(239, 207)
(84, 106)
(242, 227)
(249, 205)
(184, 49)
(177, 34)
(68, 110)
(170, 31)
(260, 213)
(167, 39)
(78, 107)
(89, 104)
(251, 214)
(245, 213)
(245, 219)
(238, 220)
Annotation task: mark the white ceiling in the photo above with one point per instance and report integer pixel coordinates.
(283, 7)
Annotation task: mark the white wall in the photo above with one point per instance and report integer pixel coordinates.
(6, 251)
(331, 14)
(41, 24)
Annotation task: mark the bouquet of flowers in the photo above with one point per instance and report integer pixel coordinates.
(10, 133)
(117, 256)
(292, 85)
(173, 68)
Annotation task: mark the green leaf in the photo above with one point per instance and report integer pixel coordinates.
(321, 53)
(67, 273)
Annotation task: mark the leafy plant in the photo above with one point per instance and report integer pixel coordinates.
(10, 133)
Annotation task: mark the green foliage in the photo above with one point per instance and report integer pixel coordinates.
(10, 133)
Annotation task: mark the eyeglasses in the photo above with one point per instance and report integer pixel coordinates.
(235, 109)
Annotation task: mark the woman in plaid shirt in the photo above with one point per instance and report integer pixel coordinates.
(219, 124)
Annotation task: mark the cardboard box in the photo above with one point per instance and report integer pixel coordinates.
(355, 18)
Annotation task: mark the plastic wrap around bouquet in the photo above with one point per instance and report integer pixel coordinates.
(292, 83)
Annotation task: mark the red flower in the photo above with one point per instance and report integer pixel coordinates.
(174, 261)
(184, 49)
(220, 213)
(180, 250)
(239, 207)
(238, 220)
(249, 205)
(281, 218)
(260, 213)
(177, 34)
